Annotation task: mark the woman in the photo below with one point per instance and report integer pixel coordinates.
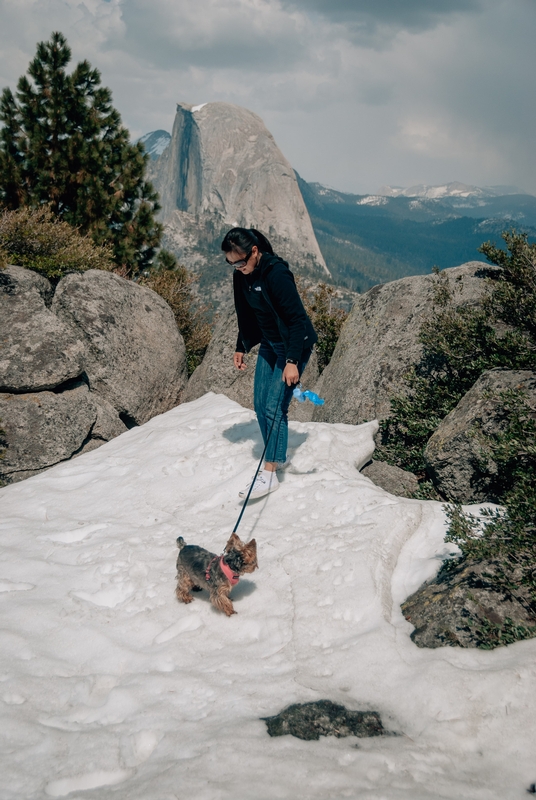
(269, 310)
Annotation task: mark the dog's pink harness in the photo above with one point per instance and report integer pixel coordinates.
(226, 569)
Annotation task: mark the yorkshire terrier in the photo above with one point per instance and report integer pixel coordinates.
(198, 569)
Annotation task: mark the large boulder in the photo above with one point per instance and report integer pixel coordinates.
(38, 351)
(81, 365)
(223, 168)
(393, 479)
(43, 428)
(134, 354)
(458, 455)
(217, 373)
(379, 342)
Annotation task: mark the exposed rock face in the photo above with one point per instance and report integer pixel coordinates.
(393, 479)
(129, 334)
(218, 374)
(457, 455)
(43, 428)
(37, 351)
(80, 366)
(222, 169)
(379, 342)
(324, 718)
(464, 607)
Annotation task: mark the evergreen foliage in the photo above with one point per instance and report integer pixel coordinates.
(62, 143)
(175, 285)
(38, 240)
(327, 319)
(462, 342)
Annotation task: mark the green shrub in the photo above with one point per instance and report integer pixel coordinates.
(459, 344)
(175, 285)
(327, 319)
(38, 240)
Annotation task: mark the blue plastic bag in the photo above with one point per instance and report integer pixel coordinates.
(302, 395)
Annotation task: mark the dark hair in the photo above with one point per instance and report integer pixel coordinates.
(242, 240)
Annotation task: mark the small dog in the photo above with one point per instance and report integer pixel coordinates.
(197, 568)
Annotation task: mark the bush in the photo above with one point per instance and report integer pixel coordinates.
(327, 319)
(38, 240)
(63, 143)
(175, 285)
(459, 344)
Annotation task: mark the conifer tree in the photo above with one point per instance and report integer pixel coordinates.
(62, 143)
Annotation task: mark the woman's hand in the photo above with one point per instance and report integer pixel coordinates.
(291, 375)
(238, 361)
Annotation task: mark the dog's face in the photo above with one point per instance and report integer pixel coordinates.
(248, 553)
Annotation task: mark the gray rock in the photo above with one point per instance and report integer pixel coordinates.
(324, 718)
(465, 607)
(393, 479)
(108, 424)
(457, 455)
(379, 342)
(38, 351)
(43, 428)
(223, 168)
(134, 354)
(217, 374)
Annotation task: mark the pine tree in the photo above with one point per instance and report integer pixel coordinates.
(62, 143)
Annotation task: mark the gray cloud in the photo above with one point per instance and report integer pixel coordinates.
(357, 93)
(368, 15)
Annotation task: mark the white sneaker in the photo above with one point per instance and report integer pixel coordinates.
(266, 482)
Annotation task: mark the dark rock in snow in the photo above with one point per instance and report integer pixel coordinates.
(37, 350)
(324, 718)
(457, 455)
(393, 479)
(379, 342)
(134, 354)
(463, 604)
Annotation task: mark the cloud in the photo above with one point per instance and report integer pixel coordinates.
(357, 93)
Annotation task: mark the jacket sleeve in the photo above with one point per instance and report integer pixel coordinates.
(288, 307)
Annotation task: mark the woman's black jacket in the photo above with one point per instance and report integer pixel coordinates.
(279, 290)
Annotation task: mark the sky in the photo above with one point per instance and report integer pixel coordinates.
(357, 93)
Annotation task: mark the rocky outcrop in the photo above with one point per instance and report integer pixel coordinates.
(222, 169)
(37, 350)
(218, 374)
(134, 354)
(81, 365)
(465, 606)
(43, 428)
(458, 455)
(390, 478)
(379, 342)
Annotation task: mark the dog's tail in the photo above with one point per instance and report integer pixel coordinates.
(180, 543)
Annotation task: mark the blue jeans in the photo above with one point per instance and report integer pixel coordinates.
(272, 396)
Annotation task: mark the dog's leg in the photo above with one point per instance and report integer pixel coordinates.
(220, 599)
(184, 585)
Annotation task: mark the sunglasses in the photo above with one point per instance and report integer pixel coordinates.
(241, 263)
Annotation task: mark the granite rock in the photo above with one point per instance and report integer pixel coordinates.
(135, 357)
(458, 455)
(379, 342)
(37, 350)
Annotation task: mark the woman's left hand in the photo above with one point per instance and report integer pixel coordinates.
(291, 375)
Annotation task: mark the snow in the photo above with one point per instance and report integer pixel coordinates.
(111, 688)
(198, 108)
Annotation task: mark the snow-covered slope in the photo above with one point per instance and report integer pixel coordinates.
(156, 142)
(110, 688)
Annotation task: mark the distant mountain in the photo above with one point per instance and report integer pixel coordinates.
(454, 189)
(222, 168)
(155, 143)
(370, 239)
